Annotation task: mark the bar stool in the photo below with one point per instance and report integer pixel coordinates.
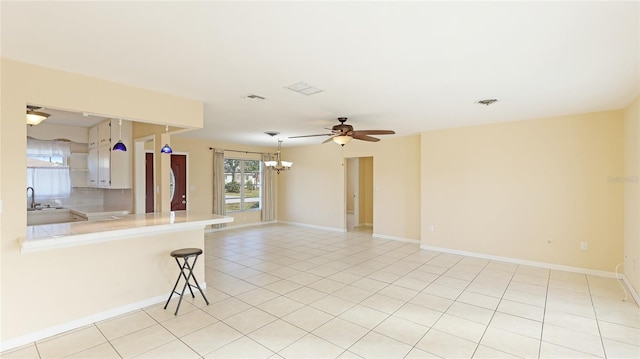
(186, 272)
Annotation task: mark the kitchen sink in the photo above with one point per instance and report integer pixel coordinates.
(43, 209)
(48, 215)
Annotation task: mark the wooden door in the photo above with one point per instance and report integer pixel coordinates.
(148, 176)
(179, 169)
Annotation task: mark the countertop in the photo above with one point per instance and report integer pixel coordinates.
(48, 236)
(98, 211)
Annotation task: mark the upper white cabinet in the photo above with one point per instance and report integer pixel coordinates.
(108, 168)
(106, 132)
(93, 137)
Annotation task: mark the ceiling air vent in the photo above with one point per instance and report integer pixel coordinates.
(303, 88)
(255, 97)
(487, 102)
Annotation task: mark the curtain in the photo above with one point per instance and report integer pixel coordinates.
(49, 182)
(268, 191)
(46, 172)
(47, 148)
(218, 185)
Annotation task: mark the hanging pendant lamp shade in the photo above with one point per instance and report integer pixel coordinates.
(119, 146)
(166, 148)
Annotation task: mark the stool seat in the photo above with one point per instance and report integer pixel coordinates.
(186, 252)
(186, 272)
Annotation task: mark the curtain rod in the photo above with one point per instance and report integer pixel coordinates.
(226, 150)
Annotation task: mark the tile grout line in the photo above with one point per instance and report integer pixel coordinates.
(544, 313)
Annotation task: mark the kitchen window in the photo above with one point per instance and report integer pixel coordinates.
(47, 169)
(242, 184)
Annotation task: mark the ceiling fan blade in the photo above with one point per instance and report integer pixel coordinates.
(375, 132)
(359, 136)
(324, 134)
(328, 139)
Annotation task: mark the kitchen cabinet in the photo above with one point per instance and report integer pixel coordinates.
(108, 168)
(105, 132)
(92, 167)
(93, 137)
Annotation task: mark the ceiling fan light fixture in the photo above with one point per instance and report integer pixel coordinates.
(35, 117)
(342, 140)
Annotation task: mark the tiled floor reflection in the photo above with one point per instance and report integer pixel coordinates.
(281, 291)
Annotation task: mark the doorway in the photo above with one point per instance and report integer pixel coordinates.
(178, 182)
(359, 193)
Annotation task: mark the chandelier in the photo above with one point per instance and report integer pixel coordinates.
(276, 163)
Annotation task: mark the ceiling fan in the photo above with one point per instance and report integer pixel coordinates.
(343, 133)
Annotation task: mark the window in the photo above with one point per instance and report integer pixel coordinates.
(242, 184)
(47, 170)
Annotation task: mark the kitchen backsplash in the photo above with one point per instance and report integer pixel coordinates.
(86, 196)
(118, 198)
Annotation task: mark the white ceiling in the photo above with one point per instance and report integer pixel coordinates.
(406, 66)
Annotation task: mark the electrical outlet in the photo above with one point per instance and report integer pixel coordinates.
(432, 228)
(584, 245)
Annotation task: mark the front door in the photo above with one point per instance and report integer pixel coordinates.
(179, 170)
(149, 190)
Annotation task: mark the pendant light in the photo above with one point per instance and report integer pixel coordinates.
(166, 148)
(277, 164)
(119, 146)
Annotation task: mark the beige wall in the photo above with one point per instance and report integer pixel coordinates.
(58, 286)
(313, 192)
(632, 194)
(366, 190)
(506, 189)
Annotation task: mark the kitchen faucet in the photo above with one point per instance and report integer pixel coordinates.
(33, 197)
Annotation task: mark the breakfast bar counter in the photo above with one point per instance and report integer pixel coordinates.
(50, 236)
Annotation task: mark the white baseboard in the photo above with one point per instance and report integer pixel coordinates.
(334, 229)
(394, 238)
(82, 322)
(633, 292)
(522, 261)
(228, 227)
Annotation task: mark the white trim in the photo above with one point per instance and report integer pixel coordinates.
(633, 292)
(522, 261)
(334, 229)
(226, 228)
(140, 174)
(82, 322)
(394, 238)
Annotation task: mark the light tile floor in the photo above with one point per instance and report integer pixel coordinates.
(281, 291)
